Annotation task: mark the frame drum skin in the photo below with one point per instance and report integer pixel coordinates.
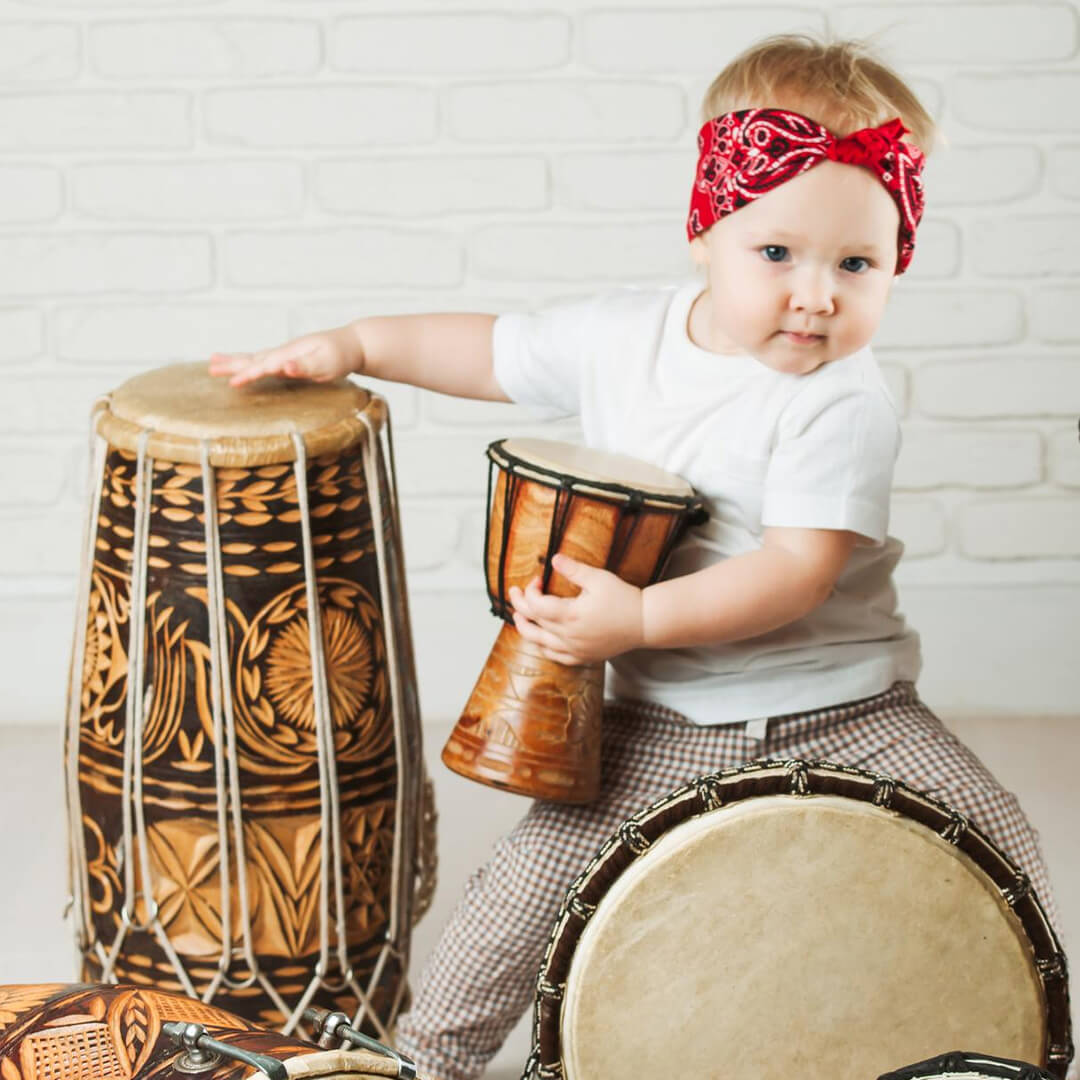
(53, 1031)
(787, 918)
(244, 781)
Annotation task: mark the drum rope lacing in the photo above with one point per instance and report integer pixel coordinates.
(137, 704)
(139, 701)
(398, 881)
(97, 450)
(226, 763)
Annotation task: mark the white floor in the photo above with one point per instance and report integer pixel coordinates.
(1035, 757)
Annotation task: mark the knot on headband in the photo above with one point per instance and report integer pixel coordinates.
(745, 154)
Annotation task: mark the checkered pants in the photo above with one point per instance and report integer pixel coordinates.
(480, 978)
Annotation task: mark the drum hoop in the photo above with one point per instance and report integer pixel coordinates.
(957, 1064)
(605, 490)
(800, 778)
(237, 451)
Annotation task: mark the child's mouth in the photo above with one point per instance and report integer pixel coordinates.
(802, 339)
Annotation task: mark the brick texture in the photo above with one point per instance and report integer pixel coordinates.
(185, 176)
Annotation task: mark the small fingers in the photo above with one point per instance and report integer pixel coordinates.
(536, 633)
(245, 367)
(536, 605)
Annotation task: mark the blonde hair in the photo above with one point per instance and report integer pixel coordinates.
(837, 83)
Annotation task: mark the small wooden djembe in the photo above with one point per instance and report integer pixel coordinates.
(532, 725)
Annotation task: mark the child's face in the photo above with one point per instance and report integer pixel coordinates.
(815, 256)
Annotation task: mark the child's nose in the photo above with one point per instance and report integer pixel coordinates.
(813, 291)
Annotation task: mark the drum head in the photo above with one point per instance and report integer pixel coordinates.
(596, 466)
(790, 934)
(183, 405)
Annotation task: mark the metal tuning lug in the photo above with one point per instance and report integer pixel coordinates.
(334, 1028)
(202, 1053)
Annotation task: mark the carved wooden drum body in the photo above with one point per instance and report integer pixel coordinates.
(532, 725)
(98, 1032)
(792, 919)
(244, 776)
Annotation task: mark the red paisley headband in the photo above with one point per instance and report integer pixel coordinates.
(745, 154)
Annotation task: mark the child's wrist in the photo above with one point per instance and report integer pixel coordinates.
(355, 334)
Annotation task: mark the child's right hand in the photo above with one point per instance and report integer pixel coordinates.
(329, 354)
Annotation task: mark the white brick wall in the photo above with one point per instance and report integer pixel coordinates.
(180, 176)
(190, 175)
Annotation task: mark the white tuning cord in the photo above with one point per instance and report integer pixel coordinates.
(77, 865)
(404, 805)
(227, 763)
(332, 853)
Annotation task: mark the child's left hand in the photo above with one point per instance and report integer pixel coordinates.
(603, 620)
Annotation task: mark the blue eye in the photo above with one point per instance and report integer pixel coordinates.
(863, 264)
(774, 252)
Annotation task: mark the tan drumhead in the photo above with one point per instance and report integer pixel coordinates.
(815, 936)
(598, 466)
(183, 404)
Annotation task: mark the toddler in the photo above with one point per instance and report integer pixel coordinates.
(775, 631)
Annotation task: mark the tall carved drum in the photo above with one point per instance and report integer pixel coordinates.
(243, 753)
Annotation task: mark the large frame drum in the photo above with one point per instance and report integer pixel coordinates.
(53, 1031)
(243, 754)
(793, 919)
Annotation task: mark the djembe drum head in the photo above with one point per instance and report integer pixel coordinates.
(789, 919)
(244, 745)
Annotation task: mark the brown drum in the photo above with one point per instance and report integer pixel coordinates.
(532, 725)
(59, 1032)
(797, 919)
(243, 752)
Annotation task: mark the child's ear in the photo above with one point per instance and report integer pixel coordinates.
(699, 252)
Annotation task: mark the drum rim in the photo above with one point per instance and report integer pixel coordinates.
(231, 450)
(802, 778)
(607, 490)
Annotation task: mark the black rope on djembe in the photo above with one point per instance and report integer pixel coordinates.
(560, 513)
(624, 532)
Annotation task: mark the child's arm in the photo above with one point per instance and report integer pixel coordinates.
(450, 353)
(743, 596)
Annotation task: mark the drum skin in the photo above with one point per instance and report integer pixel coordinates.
(182, 793)
(53, 1031)
(793, 918)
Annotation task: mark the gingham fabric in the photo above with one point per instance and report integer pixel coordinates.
(481, 976)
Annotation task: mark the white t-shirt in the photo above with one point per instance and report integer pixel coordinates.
(763, 448)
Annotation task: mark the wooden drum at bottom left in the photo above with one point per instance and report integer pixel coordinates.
(53, 1031)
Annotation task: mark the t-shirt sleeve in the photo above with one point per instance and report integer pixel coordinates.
(832, 464)
(539, 355)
